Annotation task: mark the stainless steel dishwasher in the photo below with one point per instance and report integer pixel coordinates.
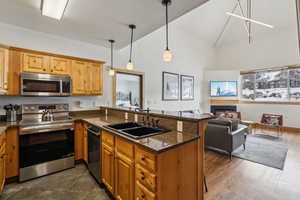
(94, 150)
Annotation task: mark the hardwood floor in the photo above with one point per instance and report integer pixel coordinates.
(243, 180)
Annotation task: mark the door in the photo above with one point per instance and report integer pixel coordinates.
(79, 77)
(2, 164)
(96, 74)
(35, 63)
(124, 177)
(85, 145)
(3, 68)
(108, 167)
(59, 66)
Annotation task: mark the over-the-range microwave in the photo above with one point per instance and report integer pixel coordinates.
(34, 84)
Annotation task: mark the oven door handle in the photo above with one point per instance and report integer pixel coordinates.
(34, 131)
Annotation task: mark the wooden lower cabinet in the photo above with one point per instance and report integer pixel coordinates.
(85, 144)
(2, 160)
(131, 172)
(12, 150)
(78, 140)
(108, 167)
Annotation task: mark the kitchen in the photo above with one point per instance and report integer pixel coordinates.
(53, 130)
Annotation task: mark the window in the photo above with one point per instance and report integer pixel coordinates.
(294, 76)
(127, 92)
(281, 85)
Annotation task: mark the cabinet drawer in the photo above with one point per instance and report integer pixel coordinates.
(145, 177)
(141, 193)
(145, 159)
(107, 138)
(124, 147)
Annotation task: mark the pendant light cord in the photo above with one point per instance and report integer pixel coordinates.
(131, 45)
(167, 26)
(112, 55)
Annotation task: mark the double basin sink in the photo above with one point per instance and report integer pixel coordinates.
(136, 130)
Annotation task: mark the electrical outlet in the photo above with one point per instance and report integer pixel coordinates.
(179, 126)
(135, 118)
(126, 116)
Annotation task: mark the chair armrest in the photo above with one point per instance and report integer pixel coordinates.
(241, 129)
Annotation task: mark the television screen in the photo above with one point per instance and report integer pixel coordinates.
(223, 88)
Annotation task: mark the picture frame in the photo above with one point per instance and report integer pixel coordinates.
(218, 89)
(187, 88)
(170, 86)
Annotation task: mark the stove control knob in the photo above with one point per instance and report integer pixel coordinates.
(32, 108)
(26, 108)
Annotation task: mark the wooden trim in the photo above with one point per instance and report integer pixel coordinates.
(141, 74)
(269, 102)
(224, 101)
(4, 46)
(54, 55)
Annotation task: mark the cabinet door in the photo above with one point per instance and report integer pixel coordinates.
(78, 77)
(85, 145)
(2, 167)
(96, 79)
(35, 63)
(124, 177)
(3, 69)
(88, 79)
(108, 167)
(12, 150)
(79, 137)
(59, 66)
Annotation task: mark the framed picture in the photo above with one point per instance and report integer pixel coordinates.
(170, 86)
(187, 87)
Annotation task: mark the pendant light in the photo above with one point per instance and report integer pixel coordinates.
(167, 53)
(130, 64)
(111, 70)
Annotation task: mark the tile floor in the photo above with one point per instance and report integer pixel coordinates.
(71, 184)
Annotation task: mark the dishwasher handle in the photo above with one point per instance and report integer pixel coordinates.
(95, 133)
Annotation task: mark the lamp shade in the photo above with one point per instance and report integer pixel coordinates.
(167, 55)
(129, 65)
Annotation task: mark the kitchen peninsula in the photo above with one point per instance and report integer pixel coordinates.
(163, 166)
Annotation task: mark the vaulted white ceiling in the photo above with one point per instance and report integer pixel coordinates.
(96, 21)
(206, 22)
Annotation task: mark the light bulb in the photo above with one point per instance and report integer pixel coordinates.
(111, 72)
(130, 65)
(167, 55)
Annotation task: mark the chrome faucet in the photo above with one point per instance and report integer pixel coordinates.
(147, 121)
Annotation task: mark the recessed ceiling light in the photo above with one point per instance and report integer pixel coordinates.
(54, 8)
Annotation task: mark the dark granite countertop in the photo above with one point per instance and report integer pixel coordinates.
(156, 143)
(184, 116)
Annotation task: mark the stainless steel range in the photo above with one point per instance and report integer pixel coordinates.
(46, 140)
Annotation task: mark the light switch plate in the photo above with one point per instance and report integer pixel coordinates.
(126, 116)
(135, 118)
(179, 126)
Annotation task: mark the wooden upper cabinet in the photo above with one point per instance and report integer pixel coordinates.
(35, 63)
(60, 66)
(79, 76)
(4, 59)
(97, 78)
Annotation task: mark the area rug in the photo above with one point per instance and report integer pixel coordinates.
(264, 149)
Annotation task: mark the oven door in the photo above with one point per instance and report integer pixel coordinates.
(45, 152)
(46, 146)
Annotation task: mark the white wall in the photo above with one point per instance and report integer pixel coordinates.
(275, 50)
(25, 38)
(190, 57)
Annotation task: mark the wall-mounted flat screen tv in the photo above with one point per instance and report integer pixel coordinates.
(223, 88)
